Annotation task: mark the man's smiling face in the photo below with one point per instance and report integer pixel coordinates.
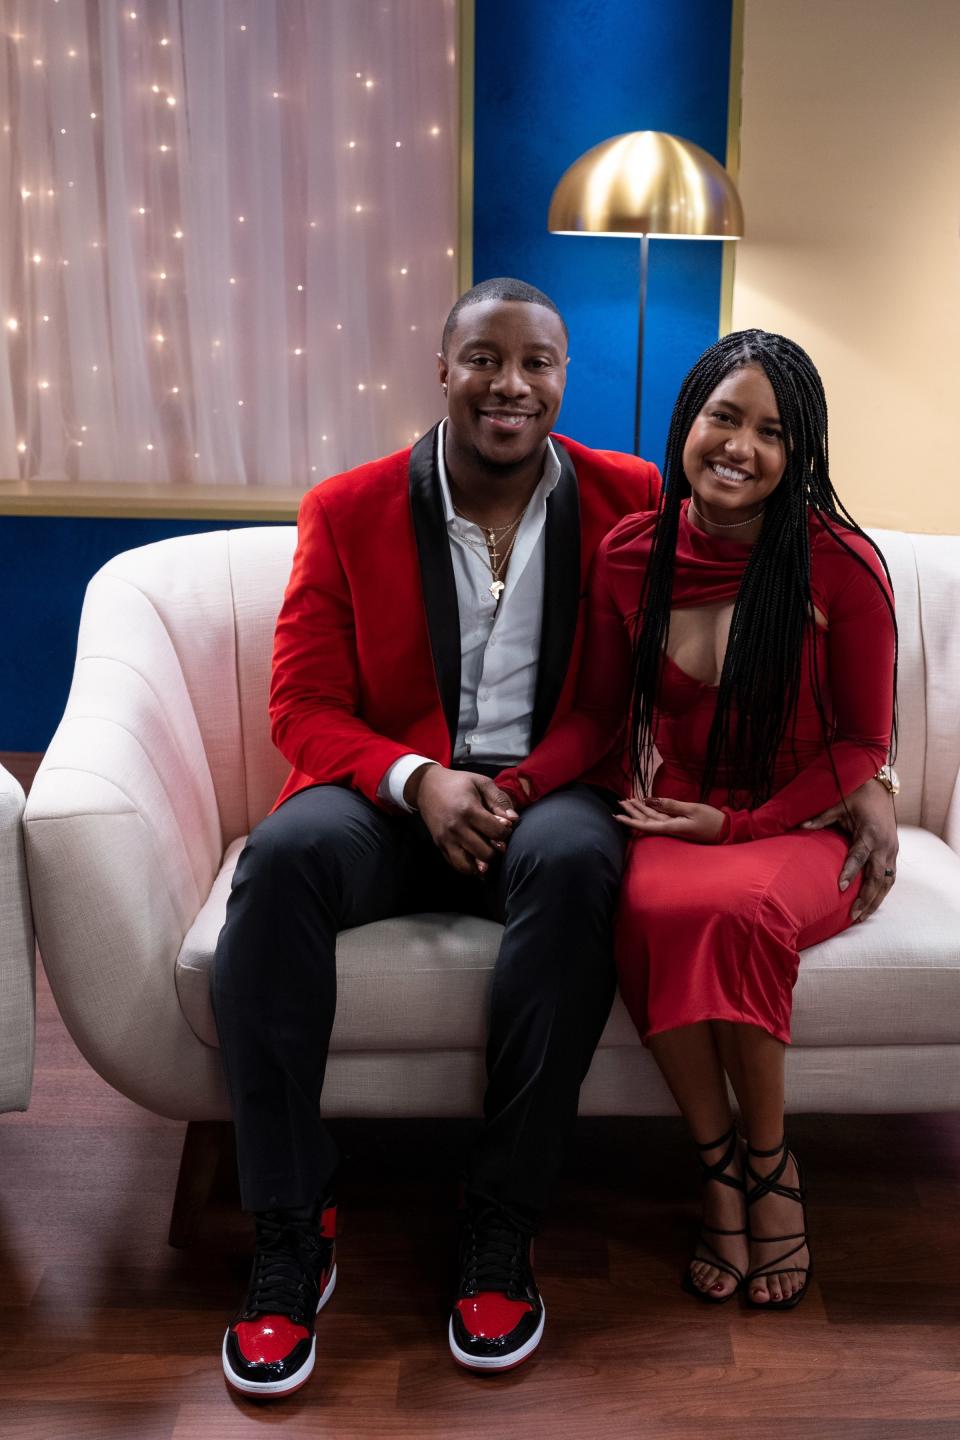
(505, 368)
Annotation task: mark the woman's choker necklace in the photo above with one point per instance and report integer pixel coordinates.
(724, 525)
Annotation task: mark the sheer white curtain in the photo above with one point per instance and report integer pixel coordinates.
(230, 235)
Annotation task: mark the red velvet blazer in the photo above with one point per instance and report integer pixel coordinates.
(366, 658)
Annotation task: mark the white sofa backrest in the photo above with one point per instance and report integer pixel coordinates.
(926, 578)
(211, 601)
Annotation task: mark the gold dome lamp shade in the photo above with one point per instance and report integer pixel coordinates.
(649, 185)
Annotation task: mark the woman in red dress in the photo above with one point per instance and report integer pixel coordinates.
(747, 631)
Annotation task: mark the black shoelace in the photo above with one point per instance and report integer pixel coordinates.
(494, 1254)
(286, 1255)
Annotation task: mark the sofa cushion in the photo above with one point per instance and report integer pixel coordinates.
(416, 982)
(421, 982)
(895, 979)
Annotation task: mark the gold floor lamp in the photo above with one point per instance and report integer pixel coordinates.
(651, 185)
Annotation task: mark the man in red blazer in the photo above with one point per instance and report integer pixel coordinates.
(429, 635)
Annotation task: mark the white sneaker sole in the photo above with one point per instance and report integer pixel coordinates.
(292, 1382)
(496, 1362)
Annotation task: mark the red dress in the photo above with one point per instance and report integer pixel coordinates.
(712, 932)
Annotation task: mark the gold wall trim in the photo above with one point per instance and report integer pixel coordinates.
(160, 502)
(466, 71)
(734, 111)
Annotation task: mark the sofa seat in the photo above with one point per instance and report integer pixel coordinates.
(421, 982)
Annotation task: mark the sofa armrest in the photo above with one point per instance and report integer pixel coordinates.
(951, 825)
(123, 842)
(17, 955)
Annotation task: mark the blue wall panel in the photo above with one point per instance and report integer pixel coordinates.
(551, 81)
(44, 568)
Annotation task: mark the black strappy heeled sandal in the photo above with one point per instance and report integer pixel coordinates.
(716, 1172)
(770, 1185)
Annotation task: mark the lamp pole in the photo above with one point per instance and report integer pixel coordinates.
(644, 262)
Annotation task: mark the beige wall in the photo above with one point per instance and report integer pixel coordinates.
(850, 178)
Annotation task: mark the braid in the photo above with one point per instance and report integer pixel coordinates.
(773, 612)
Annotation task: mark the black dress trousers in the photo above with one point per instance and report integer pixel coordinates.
(327, 860)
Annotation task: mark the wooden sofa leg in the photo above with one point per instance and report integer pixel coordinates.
(204, 1146)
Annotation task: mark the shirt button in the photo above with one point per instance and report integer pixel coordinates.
(492, 640)
(484, 695)
(474, 739)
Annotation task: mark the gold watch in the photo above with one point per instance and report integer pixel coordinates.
(889, 779)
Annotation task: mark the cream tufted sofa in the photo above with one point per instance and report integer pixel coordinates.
(17, 955)
(163, 762)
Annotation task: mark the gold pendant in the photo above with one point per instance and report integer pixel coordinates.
(496, 588)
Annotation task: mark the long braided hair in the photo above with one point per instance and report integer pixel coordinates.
(773, 611)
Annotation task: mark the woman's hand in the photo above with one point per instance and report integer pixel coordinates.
(682, 819)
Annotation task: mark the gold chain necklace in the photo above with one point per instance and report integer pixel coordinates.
(721, 525)
(496, 563)
(494, 533)
(495, 536)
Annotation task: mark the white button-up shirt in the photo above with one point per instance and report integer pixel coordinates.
(499, 642)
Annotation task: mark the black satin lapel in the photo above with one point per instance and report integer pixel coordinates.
(436, 574)
(561, 592)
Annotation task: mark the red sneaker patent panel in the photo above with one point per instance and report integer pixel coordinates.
(490, 1315)
(269, 1339)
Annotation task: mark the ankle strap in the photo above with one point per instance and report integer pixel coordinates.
(768, 1154)
(715, 1144)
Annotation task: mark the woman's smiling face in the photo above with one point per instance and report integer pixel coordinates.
(735, 454)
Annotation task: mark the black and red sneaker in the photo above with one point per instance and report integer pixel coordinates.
(270, 1348)
(497, 1319)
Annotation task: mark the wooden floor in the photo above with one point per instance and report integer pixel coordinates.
(107, 1333)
